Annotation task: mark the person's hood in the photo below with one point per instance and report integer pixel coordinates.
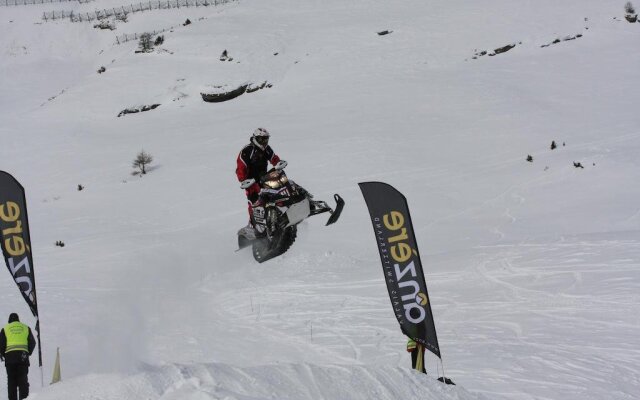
(13, 317)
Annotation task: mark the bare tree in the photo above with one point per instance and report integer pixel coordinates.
(142, 160)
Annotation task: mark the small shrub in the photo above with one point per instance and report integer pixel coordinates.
(631, 15)
(159, 40)
(80, 187)
(529, 158)
(553, 145)
(225, 56)
(629, 8)
(145, 42)
(105, 24)
(142, 160)
(102, 69)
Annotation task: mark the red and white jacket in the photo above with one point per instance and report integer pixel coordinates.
(253, 162)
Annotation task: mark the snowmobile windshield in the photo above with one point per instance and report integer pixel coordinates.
(275, 179)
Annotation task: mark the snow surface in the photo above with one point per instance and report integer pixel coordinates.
(533, 268)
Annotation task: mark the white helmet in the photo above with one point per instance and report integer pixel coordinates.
(260, 138)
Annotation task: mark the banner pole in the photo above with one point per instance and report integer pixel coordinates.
(40, 352)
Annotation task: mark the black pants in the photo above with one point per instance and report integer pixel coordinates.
(17, 379)
(414, 359)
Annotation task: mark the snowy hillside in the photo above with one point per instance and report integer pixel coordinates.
(533, 267)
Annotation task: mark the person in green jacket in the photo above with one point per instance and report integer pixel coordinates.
(417, 355)
(16, 345)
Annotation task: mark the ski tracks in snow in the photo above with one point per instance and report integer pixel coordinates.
(524, 317)
(519, 319)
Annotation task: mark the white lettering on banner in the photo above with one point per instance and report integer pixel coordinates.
(22, 279)
(24, 263)
(410, 267)
(414, 306)
(416, 289)
(406, 276)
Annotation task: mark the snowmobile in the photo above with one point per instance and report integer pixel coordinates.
(286, 204)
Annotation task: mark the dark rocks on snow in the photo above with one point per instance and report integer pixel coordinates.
(382, 33)
(159, 40)
(497, 51)
(255, 87)
(503, 49)
(567, 38)
(220, 94)
(187, 22)
(80, 187)
(578, 165)
(479, 54)
(134, 110)
(631, 18)
(59, 243)
(224, 96)
(553, 145)
(101, 70)
(529, 158)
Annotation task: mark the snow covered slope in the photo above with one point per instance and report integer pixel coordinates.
(532, 268)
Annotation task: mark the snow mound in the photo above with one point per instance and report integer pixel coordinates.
(283, 381)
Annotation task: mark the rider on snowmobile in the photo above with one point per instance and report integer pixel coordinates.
(252, 163)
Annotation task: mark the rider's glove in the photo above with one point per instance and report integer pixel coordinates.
(247, 183)
(282, 164)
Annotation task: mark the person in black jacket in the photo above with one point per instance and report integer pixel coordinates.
(16, 345)
(252, 163)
